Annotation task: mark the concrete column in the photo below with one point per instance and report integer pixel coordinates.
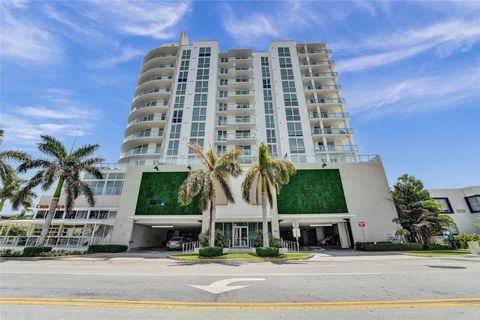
(320, 234)
(342, 232)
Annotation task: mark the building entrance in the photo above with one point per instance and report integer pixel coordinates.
(240, 236)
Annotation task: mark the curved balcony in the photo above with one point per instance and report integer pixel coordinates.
(155, 80)
(156, 70)
(315, 52)
(324, 88)
(165, 57)
(134, 140)
(141, 152)
(142, 123)
(323, 63)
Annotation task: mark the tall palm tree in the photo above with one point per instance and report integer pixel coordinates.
(7, 172)
(11, 193)
(203, 182)
(65, 168)
(264, 178)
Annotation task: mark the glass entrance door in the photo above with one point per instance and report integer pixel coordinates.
(240, 236)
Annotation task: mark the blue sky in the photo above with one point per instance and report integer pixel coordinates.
(409, 70)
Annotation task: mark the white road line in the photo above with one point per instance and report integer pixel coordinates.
(195, 274)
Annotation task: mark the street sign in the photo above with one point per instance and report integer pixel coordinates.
(295, 224)
(361, 224)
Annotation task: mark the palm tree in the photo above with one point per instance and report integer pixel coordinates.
(264, 178)
(216, 171)
(11, 193)
(64, 167)
(7, 172)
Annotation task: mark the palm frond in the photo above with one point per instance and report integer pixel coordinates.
(191, 187)
(71, 193)
(85, 189)
(268, 189)
(228, 165)
(14, 155)
(247, 183)
(225, 188)
(34, 164)
(83, 152)
(198, 150)
(7, 173)
(263, 157)
(52, 147)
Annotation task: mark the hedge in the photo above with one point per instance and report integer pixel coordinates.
(387, 246)
(464, 238)
(267, 252)
(35, 251)
(107, 248)
(210, 252)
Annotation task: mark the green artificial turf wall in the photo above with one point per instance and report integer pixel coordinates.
(158, 195)
(313, 191)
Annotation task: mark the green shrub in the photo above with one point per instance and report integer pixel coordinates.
(220, 239)
(463, 238)
(267, 252)
(387, 246)
(107, 248)
(10, 253)
(210, 252)
(35, 251)
(256, 240)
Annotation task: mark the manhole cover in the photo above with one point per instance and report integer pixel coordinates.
(447, 267)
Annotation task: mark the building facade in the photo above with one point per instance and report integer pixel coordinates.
(462, 205)
(288, 97)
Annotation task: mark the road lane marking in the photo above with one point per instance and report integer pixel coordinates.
(244, 308)
(185, 305)
(198, 274)
(221, 286)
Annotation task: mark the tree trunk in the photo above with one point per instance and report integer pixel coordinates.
(50, 214)
(211, 229)
(2, 203)
(264, 215)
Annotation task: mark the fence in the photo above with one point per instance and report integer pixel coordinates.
(190, 246)
(56, 242)
(290, 245)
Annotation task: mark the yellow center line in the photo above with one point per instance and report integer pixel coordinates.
(233, 307)
(467, 299)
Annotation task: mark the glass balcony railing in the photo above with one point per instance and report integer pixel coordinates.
(147, 119)
(326, 131)
(323, 51)
(142, 151)
(327, 87)
(329, 115)
(317, 63)
(156, 78)
(241, 121)
(152, 135)
(154, 90)
(326, 101)
(156, 103)
(336, 148)
(160, 55)
(159, 66)
(320, 74)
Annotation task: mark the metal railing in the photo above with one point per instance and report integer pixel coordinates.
(320, 74)
(153, 90)
(158, 66)
(325, 87)
(162, 117)
(139, 152)
(190, 246)
(291, 245)
(156, 78)
(315, 51)
(329, 115)
(317, 63)
(156, 103)
(326, 100)
(57, 241)
(160, 55)
(337, 148)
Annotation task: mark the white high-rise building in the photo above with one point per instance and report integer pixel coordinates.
(287, 97)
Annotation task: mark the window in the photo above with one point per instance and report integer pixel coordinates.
(223, 82)
(221, 135)
(175, 131)
(200, 100)
(221, 150)
(58, 215)
(296, 146)
(179, 101)
(294, 129)
(292, 114)
(41, 214)
(177, 116)
(199, 114)
(203, 62)
(182, 76)
(203, 74)
(184, 65)
(205, 52)
(186, 54)
(198, 129)
(446, 206)
(98, 214)
(473, 203)
(181, 88)
(202, 86)
(172, 148)
(81, 214)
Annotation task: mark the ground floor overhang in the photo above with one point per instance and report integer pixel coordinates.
(313, 220)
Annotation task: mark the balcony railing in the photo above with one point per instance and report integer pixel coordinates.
(316, 63)
(238, 93)
(320, 74)
(336, 148)
(326, 101)
(319, 131)
(142, 152)
(331, 87)
(315, 51)
(157, 103)
(154, 90)
(151, 135)
(241, 121)
(160, 55)
(155, 118)
(156, 78)
(159, 66)
(329, 115)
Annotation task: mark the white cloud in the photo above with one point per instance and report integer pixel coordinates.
(126, 54)
(146, 18)
(249, 31)
(56, 113)
(448, 89)
(446, 38)
(26, 41)
(54, 14)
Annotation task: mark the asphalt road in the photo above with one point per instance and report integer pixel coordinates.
(133, 287)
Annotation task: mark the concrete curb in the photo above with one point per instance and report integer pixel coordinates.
(172, 257)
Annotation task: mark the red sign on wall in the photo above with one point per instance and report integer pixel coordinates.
(361, 224)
